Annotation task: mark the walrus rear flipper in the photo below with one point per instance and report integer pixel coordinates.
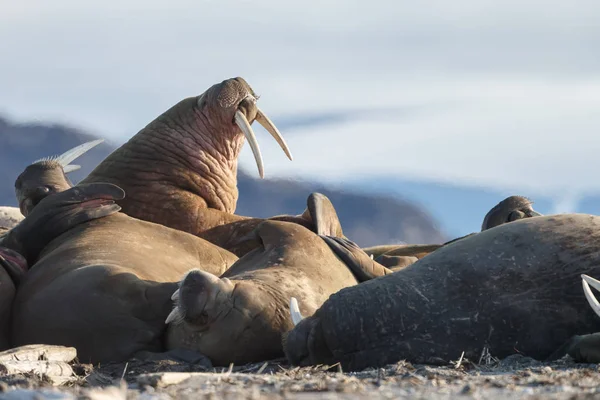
(362, 266)
(324, 215)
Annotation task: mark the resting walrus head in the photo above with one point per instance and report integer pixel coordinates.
(510, 209)
(48, 176)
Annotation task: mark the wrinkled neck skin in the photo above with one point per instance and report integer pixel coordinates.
(177, 167)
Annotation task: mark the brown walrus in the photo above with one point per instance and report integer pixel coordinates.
(400, 256)
(241, 316)
(102, 286)
(181, 169)
(513, 288)
(511, 209)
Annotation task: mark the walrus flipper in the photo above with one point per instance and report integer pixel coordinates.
(583, 348)
(324, 215)
(60, 212)
(362, 266)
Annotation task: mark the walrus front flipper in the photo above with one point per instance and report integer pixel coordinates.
(584, 348)
(56, 214)
(362, 266)
(324, 215)
(581, 348)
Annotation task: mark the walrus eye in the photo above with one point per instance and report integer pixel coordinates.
(40, 193)
(586, 281)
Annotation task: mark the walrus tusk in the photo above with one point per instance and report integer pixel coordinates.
(69, 156)
(295, 311)
(242, 122)
(586, 282)
(262, 119)
(173, 316)
(175, 295)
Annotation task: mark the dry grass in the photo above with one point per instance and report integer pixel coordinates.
(514, 377)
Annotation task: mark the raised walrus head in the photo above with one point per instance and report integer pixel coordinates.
(58, 213)
(187, 157)
(48, 176)
(510, 209)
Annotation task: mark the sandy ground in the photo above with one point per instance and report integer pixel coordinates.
(515, 377)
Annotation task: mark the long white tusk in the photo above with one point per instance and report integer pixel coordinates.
(173, 315)
(295, 311)
(69, 156)
(586, 282)
(175, 295)
(242, 122)
(372, 257)
(262, 119)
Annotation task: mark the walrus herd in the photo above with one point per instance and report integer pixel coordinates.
(146, 258)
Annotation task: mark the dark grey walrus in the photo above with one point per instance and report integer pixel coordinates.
(513, 288)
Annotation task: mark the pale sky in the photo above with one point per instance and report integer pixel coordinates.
(502, 95)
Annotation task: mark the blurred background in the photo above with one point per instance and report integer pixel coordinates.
(414, 117)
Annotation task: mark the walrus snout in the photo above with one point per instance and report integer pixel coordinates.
(301, 344)
(199, 298)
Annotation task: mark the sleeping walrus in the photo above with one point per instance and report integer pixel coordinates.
(241, 316)
(513, 288)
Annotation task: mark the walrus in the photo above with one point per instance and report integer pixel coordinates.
(13, 267)
(47, 176)
(181, 169)
(512, 208)
(399, 256)
(101, 286)
(513, 288)
(240, 317)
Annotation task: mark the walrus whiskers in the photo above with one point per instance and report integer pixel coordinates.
(586, 281)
